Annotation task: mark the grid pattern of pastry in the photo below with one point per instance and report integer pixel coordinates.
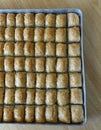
(40, 68)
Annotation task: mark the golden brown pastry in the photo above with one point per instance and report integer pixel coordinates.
(77, 113)
(19, 20)
(74, 49)
(29, 64)
(10, 80)
(29, 49)
(19, 64)
(62, 64)
(60, 35)
(39, 49)
(20, 96)
(76, 96)
(29, 114)
(75, 80)
(50, 20)
(30, 96)
(19, 113)
(62, 81)
(28, 34)
(40, 114)
(40, 64)
(61, 49)
(9, 34)
(39, 34)
(40, 80)
(61, 20)
(29, 19)
(50, 64)
(9, 49)
(1, 48)
(51, 81)
(39, 19)
(31, 80)
(19, 34)
(9, 64)
(63, 97)
(8, 114)
(9, 96)
(2, 79)
(51, 114)
(1, 63)
(40, 97)
(64, 114)
(20, 78)
(51, 97)
(49, 34)
(10, 19)
(73, 19)
(74, 64)
(2, 34)
(19, 49)
(2, 19)
(1, 113)
(74, 34)
(50, 49)
(1, 95)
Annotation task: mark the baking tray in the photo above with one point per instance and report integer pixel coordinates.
(59, 11)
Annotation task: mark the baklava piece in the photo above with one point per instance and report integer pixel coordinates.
(29, 114)
(73, 19)
(1, 48)
(75, 80)
(1, 113)
(1, 63)
(2, 79)
(20, 78)
(51, 114)
(74, 64)
(1, 95)
(19, 34)
(8, 114)
(29, 64)
(40, 114)
(29, 19)
(2, 20)
(49, 35)
(9, 34)
(29, 49)
(63, 97)
(39, 34)
(40, 80)
(28, 34)
(74, 49)
(9, 64)
(19, 49)
(62, 81)
(39, 19)
(20, 96)
(61, 49)
(19, 114)
(19, 20)
(19, 64)
(61, 65)
(50, 64)
(64, 114)
(50, 49)
(76, 96)
(30, 96)
(10, 80)
(60, 35)
(51, 81)
(40, 64)
(77, 113)
(2, 34)
(51, 97)
(9, 96)
(40, 97)
(39, 49)
(61, 20)
(31, 80)
(9, 49)
(74, 34)
(10, 19)
(50, 20)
